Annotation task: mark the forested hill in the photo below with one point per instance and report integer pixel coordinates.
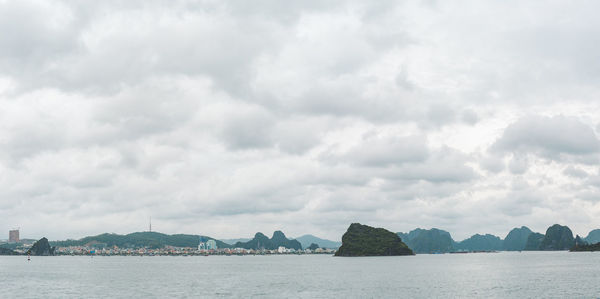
(138, 240)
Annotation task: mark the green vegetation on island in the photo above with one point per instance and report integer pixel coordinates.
(593, 237)
(41, 248)
(139, 240)
(428, 240)
(313, 246)
(6, 251)
(557, 237)
(533, 241)
(479, 242)
(434, 240)
(584, 246)
(260, 241)
(364, 240)
(419, 240)
(516, 239)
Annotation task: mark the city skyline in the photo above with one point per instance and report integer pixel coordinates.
(230, 118)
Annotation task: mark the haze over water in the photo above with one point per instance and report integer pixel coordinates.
(484, 275)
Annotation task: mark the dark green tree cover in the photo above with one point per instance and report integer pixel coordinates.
(580, 241)
(313, 246)
(11, 246)
(139, 240)
(533, 241)
(584, 246)
(428, 241)
(6, 251)
(260, 241)
(479, 242)
(593, 237)
(363, 240)
(42, 248)
(516, 239)
(557, 237)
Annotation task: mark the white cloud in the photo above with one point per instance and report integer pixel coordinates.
(227, 118)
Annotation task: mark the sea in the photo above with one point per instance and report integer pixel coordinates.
(474, 275)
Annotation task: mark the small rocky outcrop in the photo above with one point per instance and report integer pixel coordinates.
(364, 240)
(41, 248)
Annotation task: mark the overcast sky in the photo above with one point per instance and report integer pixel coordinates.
(225, 118)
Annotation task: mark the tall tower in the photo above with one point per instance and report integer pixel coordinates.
(150, 227)
(13, 236)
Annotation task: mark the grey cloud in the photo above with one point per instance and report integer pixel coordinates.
(575, 172)
(492, 163)
(469, 116)
(444, 165)
(249, 129)
(298, 135)
(550, 137)
(375, 151)
(47, 34)
(441, 114)
(521, 198)
(518, 164)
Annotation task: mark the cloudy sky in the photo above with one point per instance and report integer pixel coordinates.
(225, 118)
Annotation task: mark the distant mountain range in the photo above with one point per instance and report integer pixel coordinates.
(306, 240)
(428, 240)
(435, 240)
(557, 237)
(233, 241)
(138, 240)
(593, 237)
(160, 240)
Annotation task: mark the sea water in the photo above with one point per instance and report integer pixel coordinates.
(476, 275)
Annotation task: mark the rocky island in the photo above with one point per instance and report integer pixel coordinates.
(557, 237)
(260, 241)
(364, 240)
(41, 247)
(428, 240)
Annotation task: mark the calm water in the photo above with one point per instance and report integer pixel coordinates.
(489, 275)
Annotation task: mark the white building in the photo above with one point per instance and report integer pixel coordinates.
(281, 249)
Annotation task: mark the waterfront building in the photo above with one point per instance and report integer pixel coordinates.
(211, 245)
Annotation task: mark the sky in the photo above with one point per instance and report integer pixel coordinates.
(225, 118)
